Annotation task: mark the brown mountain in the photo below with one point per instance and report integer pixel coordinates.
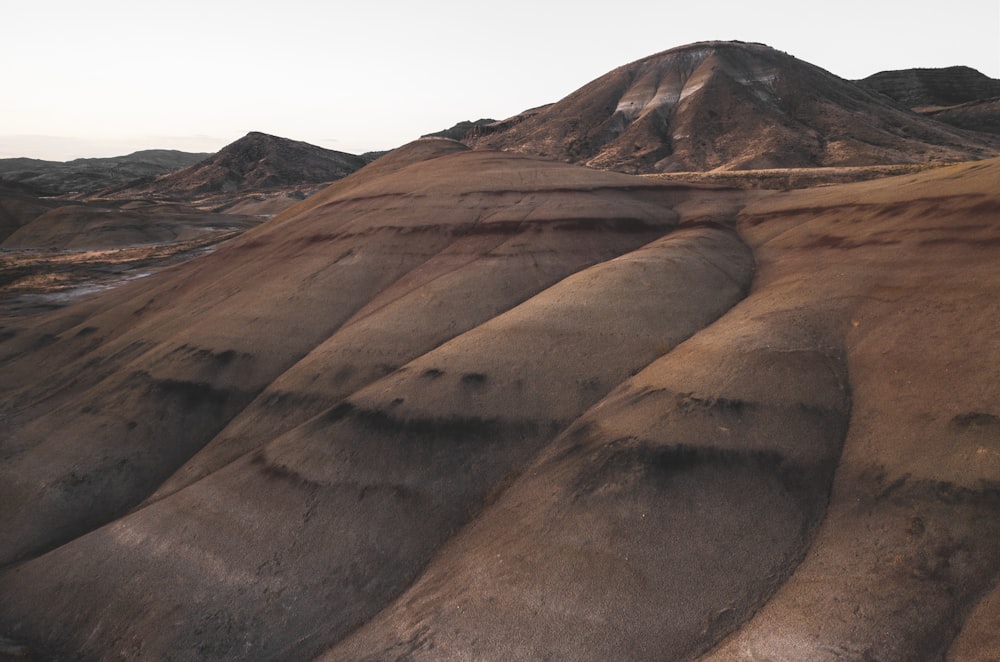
(948, 86)
(256, 163)
(91, 175)
(469, 404)
(728, 105)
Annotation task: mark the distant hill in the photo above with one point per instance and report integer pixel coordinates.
(90, 175)
(959, 96)
(948, 86)
(728, 105)
(256, 162)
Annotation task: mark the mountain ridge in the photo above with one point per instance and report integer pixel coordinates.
(89, 175)
(257, 162)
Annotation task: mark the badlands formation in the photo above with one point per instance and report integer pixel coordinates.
(477, 404)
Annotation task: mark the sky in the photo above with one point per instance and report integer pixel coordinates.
(109, 77)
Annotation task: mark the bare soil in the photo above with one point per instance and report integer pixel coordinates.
(469, 404)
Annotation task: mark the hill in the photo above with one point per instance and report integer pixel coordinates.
(469, 403)
(55, 251)
(921, 88)
(255, 164)
(728, 105)
(91, 175)
(959, 96)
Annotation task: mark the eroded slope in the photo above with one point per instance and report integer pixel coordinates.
(106, 399)
(473, 405)
(678, 509)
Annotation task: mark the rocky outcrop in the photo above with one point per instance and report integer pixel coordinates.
(461, 130)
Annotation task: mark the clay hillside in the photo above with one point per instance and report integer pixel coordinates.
(90, 175)
(728, 105)
(468, 404)
(482, 404)
(258, 163)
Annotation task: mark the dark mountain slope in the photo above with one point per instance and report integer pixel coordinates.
(80, 227)
(948, 86)
(958, 96)
(18, 208)
(973, 116)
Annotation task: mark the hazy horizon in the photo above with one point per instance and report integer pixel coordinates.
(110, 78)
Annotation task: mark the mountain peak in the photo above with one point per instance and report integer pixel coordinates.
(715, 44)
(256, 162)
(256, 146)
(728, 105)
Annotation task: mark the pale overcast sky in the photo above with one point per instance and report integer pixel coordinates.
(108, 77)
